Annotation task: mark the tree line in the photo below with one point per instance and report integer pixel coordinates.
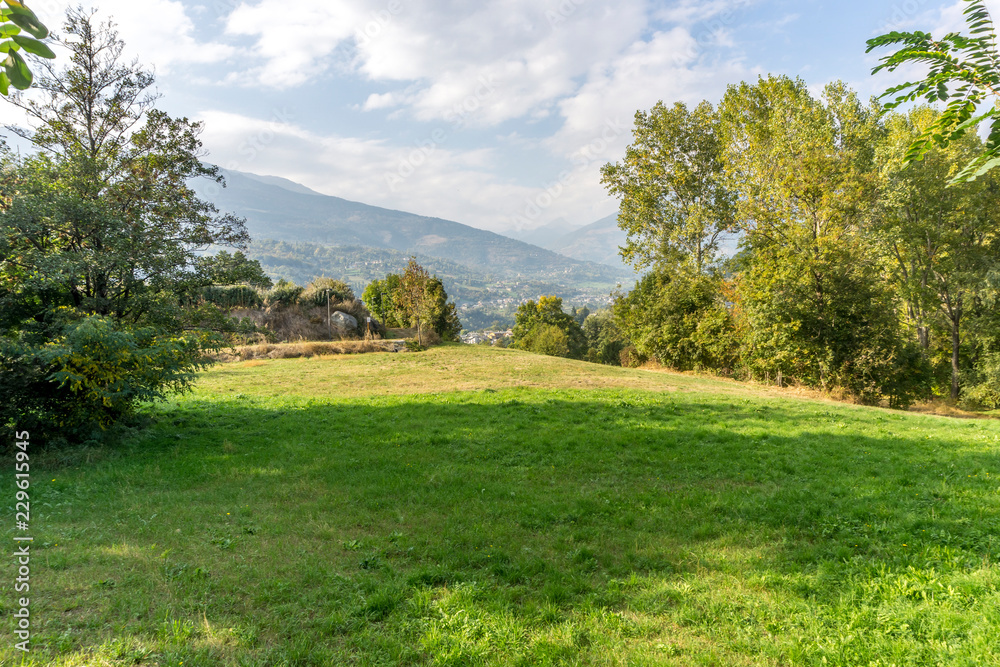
(853, 268)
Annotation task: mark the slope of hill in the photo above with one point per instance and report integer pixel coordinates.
(471, 506)
(284, 211)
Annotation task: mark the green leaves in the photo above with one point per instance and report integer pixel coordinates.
(14, 19)
(33, 46)
(964, 73)
(25, 19)
(17, 70)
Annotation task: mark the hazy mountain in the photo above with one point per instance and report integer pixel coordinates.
(546, 235)
(596, 242)
(279, 209)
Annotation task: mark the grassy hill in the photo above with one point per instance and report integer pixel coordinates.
(470, 506)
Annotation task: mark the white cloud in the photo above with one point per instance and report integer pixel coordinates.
(531, 53)
(159, 32)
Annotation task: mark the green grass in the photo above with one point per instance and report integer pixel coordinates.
(469, 506)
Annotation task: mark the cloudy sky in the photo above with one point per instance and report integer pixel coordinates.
(497, 113)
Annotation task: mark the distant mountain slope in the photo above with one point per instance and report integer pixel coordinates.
(596, 242)
(546, 235)
(276, 209)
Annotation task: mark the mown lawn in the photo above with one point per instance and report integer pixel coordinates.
(467, 506)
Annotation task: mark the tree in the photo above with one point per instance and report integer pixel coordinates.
(811, 289)
(941, 240)
(100, 239)
(108, 208)
(678, 318)
(964, 73)
(411, 298)
(544, 328)
(15, 20)
(675, 206)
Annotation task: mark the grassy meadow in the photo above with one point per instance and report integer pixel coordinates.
(471, 506)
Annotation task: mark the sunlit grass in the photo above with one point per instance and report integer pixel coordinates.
(471, 506)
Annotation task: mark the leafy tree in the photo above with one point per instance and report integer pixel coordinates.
(415, 296)
(536, 326)
(380, 299)
(605, 341)
(224, 268)
(964, 73)
(941, 240)
(16, 20)
(811, 291)
(412, 295)
(101, 237)
(675, 206)
(315, 294)
(678, 319)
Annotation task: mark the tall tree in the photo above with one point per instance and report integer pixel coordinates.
(108, 208)
(942, 240)
(675, 206)
(964, 72)
(811, 285)
(100, 237)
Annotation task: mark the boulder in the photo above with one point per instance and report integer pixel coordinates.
(343, 323)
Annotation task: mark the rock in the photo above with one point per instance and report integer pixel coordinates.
(343, 322)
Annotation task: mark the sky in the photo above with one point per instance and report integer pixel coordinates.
(496, 114)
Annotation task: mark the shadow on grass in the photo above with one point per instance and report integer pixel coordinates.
(317, 524)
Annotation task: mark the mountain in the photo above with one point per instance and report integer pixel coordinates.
(546, 235)
(596, 242)
(285, 211)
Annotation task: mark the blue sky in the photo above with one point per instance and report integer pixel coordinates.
(495, 114)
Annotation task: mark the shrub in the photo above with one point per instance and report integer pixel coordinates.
(232, 296)
(283, 295)
(92, 373)
(532, 330)
(315, 294)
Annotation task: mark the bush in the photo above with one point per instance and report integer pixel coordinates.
(316, 293)
(534, 324)
(604, 340)
(982, 389)
(283, 295)
(232, 296)
(91, 374)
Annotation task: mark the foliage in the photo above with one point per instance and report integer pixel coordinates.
(91, 372)
(964, 73)
(605, 341)
(982, 390)
(284, 294)
(941, 241)
(678, 319)
(15, 20)
(544, 328)
(101, 239)
(230, 297)
(675, 206)
(223, 268)
(315, 294)
(404, 300)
